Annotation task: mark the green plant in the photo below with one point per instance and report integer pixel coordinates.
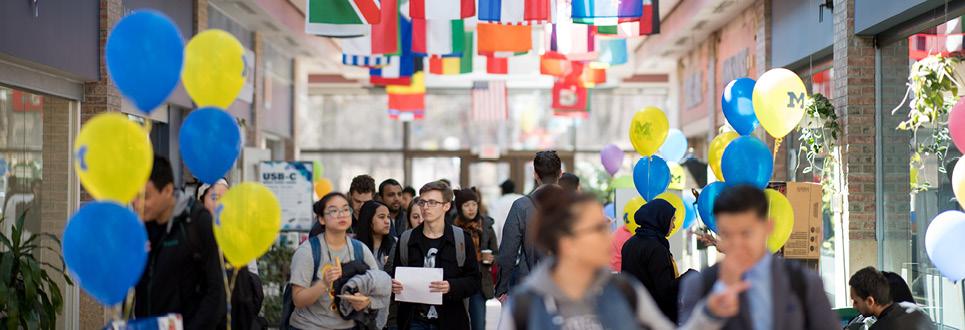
(274, 268)
(29, 296)
(934, 89)
(595, 180)
(820, 134)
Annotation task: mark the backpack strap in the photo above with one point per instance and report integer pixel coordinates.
(404, 248)
(460, 238)
(522, 303)
(621, 283)
(357, 251)
(316, 255)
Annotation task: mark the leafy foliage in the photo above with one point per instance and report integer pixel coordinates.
(821, 134)
(29, 296)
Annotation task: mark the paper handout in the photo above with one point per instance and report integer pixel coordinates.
(415, 285)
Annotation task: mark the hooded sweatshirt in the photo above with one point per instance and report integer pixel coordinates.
(582, 313)
(647, 257)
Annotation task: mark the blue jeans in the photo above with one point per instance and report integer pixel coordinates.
(420, 325)
(477, 311)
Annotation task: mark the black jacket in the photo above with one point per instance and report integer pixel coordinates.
(183, 272)
(487, 241)
(652, 264)
(897, 317)
(463, 281)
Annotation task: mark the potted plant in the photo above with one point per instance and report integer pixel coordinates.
(29, 295)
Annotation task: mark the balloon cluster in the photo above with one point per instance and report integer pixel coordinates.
(943, 239)
(105, 244)
(775, 102)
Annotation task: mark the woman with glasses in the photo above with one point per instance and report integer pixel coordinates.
(480, 228)
(374, 227)
(574, 289)
(312, 289)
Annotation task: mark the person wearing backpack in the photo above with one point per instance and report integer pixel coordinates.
(435, 244)
(574, 288)
(183, 273)
(517, 253)
(480, 228)
(317, 265)
(782, 294)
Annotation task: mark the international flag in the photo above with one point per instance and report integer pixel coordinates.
(595, 11)
(407, 102)
(401, 66)
(438, 37)
(489, 102)
(554, 64)
(447, 65)
(341, 18)
(383, 37)
(516, 11)
(612, 51)
(497, 65)
(495, 37)
(570, 98)
(368, 61)
(592, 76)
(647, 24)
(575, 41)
(442, 9)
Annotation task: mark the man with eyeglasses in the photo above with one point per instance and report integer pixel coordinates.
(434, 244)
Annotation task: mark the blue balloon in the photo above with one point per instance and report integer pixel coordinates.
(747, 160)
(675, 146)
(210, 142)
(690, 214)
(105, 249)
(705, 204)
(651, 176)
(144, 55)
(737, 106)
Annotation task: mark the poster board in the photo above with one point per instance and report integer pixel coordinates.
(292, 184)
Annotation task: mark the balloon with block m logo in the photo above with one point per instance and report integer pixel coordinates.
(779, 99)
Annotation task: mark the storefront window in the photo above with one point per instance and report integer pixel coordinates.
(912, 196)
(21, 158)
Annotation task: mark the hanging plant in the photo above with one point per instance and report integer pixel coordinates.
(934, 89)
(819, 137)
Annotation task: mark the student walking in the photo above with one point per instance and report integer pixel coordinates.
(390, 192)
(647, 257)
(480, 228)
(374, 231)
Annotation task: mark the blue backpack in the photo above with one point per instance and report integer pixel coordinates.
(288, 305)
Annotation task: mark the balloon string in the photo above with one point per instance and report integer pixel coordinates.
(777, 145)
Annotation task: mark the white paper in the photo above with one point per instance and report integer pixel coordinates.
(415, 285)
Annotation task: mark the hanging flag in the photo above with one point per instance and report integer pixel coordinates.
(598, 10)
(489, 102)
(647, 24)
(569, 96)
(341, 18)
(385, 34)
(407, 115)
(407, 100)
(401, 66)
(442, 9)
(438, 37)
(516, 11)
(368, 61)
(447, 65)
(497, 65)
(592, 76)
(575, 41)
(612, 51)
(495, 37)
(554, 64)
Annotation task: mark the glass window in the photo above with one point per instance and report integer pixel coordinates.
(609, 114)
(21, 158)
(912, 195)
(341, 167)
(348, 121)
(428, 169)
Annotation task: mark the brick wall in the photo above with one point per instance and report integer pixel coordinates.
(854, 99)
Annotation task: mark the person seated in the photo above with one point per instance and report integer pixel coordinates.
(871, 296)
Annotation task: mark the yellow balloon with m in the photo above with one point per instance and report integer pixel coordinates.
(114, 157)
(629, 210)
(648, 130)
(716, 153)
(779, 99)
(214, 68)
(246, 222)
(679, 212)
(781, 213)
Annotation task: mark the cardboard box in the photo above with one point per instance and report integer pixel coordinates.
(805, 198)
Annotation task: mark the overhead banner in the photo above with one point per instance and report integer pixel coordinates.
(293, 186)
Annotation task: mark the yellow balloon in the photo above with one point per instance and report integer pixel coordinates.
(958, 181)
(782, 214)
(679, 212)
(629, 209)
(716, 152)
(322, 187)
(214, 68)
(779, 97)
(114, 157)
(648, 130)
(246, 222)
(678, 179)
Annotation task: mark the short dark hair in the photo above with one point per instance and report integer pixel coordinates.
(870, 282)
(319, 209)
(408, 190)
(742, 198)
(161, 173)
(508, 187)
(386, 183)
(569, 181)
(439, 186)
(362, 184)
(548, 166)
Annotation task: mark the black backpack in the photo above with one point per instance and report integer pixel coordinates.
(288, 305)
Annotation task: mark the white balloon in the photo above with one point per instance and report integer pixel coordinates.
(675, 146)
(944, 244)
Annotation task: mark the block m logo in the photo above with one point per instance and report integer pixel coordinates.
(795, 100)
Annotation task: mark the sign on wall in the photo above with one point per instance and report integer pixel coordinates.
(292, 184)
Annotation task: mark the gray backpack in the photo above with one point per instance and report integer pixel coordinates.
(458, 234)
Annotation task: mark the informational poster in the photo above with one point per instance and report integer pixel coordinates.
(292, 184)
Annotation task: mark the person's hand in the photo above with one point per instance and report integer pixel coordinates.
(358, 301)
(708, 239)
(439, 286)
(503, 298)
(488, 258)
(396, 286)
(332, 273)
(726, 304)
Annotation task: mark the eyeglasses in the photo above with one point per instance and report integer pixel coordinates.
(334, 212)
(429, 203)
(602, 227)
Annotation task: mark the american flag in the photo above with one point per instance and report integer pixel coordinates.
(489, 101)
